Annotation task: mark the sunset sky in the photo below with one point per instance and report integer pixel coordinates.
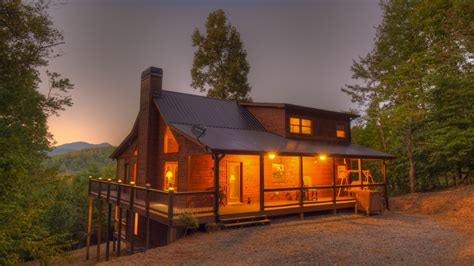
(299, 51)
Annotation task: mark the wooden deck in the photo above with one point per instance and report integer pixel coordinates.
(159, 211)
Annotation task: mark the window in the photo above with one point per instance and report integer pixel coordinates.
(170, 144)
(340, 131)
(171, 175)
(300, 126)
(135, 224)
(134, 172)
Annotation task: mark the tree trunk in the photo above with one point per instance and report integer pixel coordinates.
(410, 160)
(446, 180)
(458, 175)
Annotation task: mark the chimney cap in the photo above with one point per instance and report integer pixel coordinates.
(155, 71)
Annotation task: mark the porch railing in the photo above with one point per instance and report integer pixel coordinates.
(314, 195)
(167, 203)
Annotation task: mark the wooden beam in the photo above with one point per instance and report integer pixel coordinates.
(301, 187)
(384, 176)
(131, 216)
(119, 225)
(89, 219)
(147, 210)
(216, 157)
(334, 184)
(262, 182)
(109, 214)
(99, 226)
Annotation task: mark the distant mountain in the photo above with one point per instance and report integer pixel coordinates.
(76, 146)
(84, 160)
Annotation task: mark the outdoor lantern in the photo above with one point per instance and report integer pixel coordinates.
(322, 157)
(271, 155)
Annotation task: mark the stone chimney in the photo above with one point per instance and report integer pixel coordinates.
(148, 127)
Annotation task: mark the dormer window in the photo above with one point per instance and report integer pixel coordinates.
(300, 126)
(340, 131)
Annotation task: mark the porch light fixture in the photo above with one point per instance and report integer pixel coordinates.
(271, 155)
(322, 157)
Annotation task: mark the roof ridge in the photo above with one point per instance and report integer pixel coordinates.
(202, 96)
(233, 128)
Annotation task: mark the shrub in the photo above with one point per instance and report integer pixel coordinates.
(213, 227)
(189, 221)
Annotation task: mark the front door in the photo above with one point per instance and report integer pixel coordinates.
(234, 182)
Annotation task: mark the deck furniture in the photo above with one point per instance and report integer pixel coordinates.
(369, 201)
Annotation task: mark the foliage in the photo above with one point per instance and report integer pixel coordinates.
(416, 93)
(220, 61)
(27, 190)
(189, 221)
(213, 227)
(76, 161)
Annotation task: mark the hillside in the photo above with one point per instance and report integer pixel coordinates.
(75, 146)
(79, 161)
(422, 229)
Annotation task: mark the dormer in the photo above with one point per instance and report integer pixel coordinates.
(300, 122)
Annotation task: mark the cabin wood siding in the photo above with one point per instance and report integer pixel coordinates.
(272, 118)
(323, 126)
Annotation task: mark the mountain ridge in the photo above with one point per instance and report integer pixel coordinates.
(76, 146)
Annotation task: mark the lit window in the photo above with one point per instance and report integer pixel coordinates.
(295, 125)
(135, 225)
(340, 131)
(170, 143)
(134, 172)
(306, 126)
(135, 152)
(171, 175)
(300, 126)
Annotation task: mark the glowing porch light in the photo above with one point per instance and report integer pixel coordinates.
(322, 157)
(271, 155)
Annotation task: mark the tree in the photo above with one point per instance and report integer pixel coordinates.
(220, 64)
(27, 42)
(419, 45)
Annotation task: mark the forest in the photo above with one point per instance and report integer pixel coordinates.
(414, 92)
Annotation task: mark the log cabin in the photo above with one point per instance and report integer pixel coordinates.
(227, 162)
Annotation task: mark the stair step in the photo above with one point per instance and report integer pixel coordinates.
(238, 219)
(239, 224)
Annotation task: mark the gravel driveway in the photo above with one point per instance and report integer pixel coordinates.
(392, 238)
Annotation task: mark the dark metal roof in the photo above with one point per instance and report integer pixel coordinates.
(246, 141)
(299, 107)
(198, 110)
(127, 141)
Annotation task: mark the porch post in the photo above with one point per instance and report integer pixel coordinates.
(262, 183)
(131, 214)
(215, 157)
(385, 191)
(334, 184)
(301, 188)
(89, 219)
(109, 214)
(119, 218)
(99, 228)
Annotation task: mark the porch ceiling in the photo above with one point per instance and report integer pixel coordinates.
(255, 141)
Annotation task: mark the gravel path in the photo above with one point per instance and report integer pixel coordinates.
(392, 238)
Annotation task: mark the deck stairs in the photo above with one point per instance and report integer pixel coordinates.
(252, 220)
